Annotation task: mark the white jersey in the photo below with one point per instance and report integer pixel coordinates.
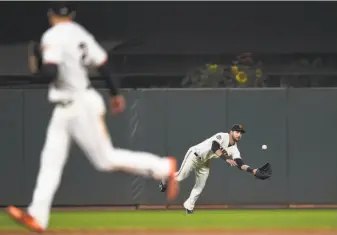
(204, 149)
(73, 49)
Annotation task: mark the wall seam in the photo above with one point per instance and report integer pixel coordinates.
(23, 155)
(287, 144)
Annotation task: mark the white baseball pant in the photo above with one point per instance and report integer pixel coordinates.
(82, 121)
(201, 169)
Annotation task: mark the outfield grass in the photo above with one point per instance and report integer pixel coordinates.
(225, 219)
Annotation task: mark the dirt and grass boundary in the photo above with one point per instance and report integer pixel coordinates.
(181, 232)
(204, 207)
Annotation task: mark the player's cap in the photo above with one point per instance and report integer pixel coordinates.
(238, 127)
(62, 9)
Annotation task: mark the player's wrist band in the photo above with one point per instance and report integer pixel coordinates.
(250, 170)
(246, 168)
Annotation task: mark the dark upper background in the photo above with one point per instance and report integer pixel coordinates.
(191, 27)
(179, 35)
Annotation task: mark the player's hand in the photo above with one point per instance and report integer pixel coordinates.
(117, 104)
(231, 162)
(254, 171)
(264, 172)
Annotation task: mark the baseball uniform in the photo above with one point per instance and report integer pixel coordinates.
(198, 158)
(78, 116)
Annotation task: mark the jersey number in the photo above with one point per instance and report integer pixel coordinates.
(84, 52)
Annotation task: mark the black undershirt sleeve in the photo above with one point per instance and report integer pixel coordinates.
(48, 72)
(111, 82)
(215, 146)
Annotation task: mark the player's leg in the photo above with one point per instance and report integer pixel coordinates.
(95, 142)
(91, 134)
(185, 168)
(53, 158)
(200, 182)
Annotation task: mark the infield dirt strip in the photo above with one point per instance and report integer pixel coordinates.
(190, 232)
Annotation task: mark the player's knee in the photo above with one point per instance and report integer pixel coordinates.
(100, 167)
(103, 166)
(103, 160)
(180, 176)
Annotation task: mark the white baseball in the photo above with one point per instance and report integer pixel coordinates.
(264, 146)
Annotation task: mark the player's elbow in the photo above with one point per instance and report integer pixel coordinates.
(103, 63)
(215, 146)
(49, 71)
(104, 69)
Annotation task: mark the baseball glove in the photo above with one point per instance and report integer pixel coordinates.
(264, 172)
(34, 57)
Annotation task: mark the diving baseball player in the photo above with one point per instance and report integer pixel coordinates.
(66, 51)
(221, 145)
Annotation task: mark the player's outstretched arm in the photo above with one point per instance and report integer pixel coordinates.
(244, 167)
(262, 173)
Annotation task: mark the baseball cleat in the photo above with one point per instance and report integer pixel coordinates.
(172, 184)
(162, 186)
(25, 219)
(189, 211)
